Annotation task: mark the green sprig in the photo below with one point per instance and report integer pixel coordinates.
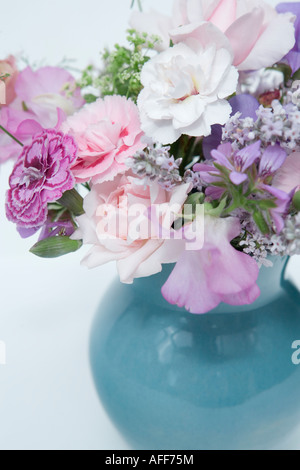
(121, 74)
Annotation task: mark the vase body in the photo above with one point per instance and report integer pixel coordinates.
(171, 380)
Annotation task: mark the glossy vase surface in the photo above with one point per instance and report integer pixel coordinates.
(171, 380)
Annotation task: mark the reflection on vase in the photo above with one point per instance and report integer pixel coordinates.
(172, 380)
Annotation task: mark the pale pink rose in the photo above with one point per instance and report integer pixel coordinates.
(287, 178)
(214, 273)
(251, 26)
(8, 66)
(107, 132)
(118, 224)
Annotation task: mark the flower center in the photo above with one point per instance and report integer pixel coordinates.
(30, 175)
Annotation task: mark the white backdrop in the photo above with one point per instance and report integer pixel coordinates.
(47, 398)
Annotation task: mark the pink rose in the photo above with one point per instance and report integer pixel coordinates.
(118, 224)
(8, 66)
(250, 25)
(107, 132)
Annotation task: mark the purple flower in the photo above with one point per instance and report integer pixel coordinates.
(236, 162)
(41, 175)
(62, 227)
(293, 57)
(272, 159)
(244, 104)
(50, 229)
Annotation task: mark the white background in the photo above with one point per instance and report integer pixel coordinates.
(47, 397)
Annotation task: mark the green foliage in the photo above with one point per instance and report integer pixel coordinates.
(296, 201)
(139, 2)
(261, 222)
(54, 247)
(72, 201)
(122, 68)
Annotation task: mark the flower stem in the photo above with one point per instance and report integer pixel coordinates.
(11, 136)
(139, 4)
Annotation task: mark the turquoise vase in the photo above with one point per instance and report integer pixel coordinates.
(171, 380)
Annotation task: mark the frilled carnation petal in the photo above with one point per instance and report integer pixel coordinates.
(41, 175)
(185, 86)
(107, 132)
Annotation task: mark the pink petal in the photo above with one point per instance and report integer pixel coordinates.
(288, 177)
(224, 15)
(241, 42)
(187, 285)
(238, 178)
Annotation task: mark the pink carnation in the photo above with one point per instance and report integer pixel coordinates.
(107, 133)
(41, 175)
(215, 273)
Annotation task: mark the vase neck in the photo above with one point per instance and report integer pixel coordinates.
(270, 282)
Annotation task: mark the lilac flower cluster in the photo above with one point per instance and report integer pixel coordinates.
(260, 247)
(278, 124)
(291, 235)
(194, 177)
(156, 163)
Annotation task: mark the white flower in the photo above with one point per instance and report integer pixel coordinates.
(185, 87)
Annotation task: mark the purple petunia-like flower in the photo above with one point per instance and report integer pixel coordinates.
(41, 175)
(236, 162)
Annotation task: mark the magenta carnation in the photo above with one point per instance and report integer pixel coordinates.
(107, 132)
(41, 175)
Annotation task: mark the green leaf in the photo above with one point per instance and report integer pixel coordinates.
(90, 98)
(261, 223)
(266, 204)
(216, 211)
(296, 201)
(72, 201)
(54, 247)
(296, 75)
(195, 198)
(285, 69)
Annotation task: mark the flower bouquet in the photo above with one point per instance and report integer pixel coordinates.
(182, 148)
